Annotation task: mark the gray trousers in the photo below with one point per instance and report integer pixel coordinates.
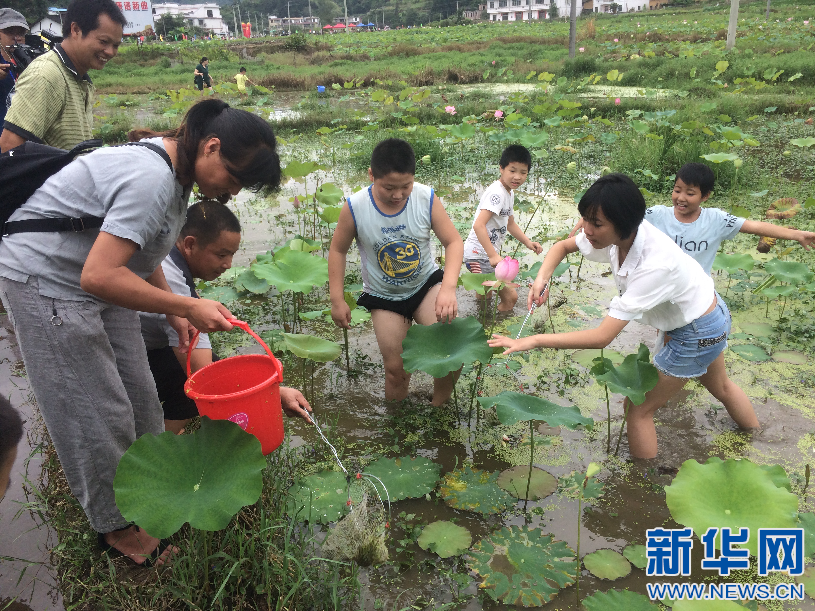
(87, 366)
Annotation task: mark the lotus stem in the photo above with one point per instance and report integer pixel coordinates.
(347, 357)
(626, 405)
(549, 308)
(608, 412)
(578, 269)
(531, 460)
(579, 519)
(783, 307)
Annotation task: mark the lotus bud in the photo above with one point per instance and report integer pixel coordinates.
(425, 159)
(296, 202)
(506, 270)
(738, 163)
(786, 153)
(571, 167)
(593, 469)
(605, 170)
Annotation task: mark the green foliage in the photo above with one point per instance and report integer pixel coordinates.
(636, 555)
(441, 348)
(634, 377)
(293, 271)
(320, 497)
(618, 600)
(513, 407)
(607, 564)
(404, 478)
(445, 538)
(163, 481)
(311, 347)
(474, 490)
(516, 480)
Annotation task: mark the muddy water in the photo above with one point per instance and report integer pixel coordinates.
(27, 582)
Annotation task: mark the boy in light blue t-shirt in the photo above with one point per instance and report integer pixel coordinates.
(699, 231)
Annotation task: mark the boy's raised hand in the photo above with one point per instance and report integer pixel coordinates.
(341, 314)
(536, 248)
(446, 305)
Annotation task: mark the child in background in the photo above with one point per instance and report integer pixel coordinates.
(392, 221)
(494, 218)
(658, 285)
(242, 79)
(699, 231)
(11, 432)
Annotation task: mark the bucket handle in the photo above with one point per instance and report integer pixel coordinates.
(235, 323)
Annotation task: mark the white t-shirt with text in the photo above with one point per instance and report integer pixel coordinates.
(500, 202)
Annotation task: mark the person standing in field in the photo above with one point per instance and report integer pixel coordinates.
(241, 78)
(73, 297)
(54, 97)
(13, 27)
(201, 76)
(658, 285)
(392, 221)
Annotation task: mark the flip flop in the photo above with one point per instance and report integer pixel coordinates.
(149, 560)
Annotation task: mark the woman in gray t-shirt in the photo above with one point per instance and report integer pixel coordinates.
(74, 297)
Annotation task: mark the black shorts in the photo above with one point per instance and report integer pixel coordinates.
(405, 307)
(170, 377)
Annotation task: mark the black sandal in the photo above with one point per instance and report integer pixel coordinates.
(149, 560)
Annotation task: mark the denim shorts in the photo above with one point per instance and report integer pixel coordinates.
(691, 349)
(479, 266)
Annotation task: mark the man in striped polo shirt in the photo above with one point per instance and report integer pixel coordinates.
(53, 98)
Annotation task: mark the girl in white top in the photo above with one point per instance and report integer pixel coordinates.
(658, 285)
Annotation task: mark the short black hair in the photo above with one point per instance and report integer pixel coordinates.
(242, 69)
(515, 153)
(11, 430)
(203, 59)
(697, 175)
(85, 14)
(392, 155)
(619, 198)
(207, 219)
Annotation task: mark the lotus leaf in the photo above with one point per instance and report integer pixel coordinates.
(790, 356)
(441, 348)
(321, 497)
(751, 352)
(474, 490)
(758, 329)
(311, 347)
(331, 214)
(783, 208)
(224, 294)
(474, 282)
(516, 479)
(789, 271)
(297, 243)
(293, 271)
(514, 407)
(607, 564)
(618, 600)
(534, 139)
(205, 478)
(404, 478)
(808, 580)
(636, 555)
(573, 484)
(299, 169)
(634, 377)
(774, 292)
(522, 566)
(707, 605)
(734, 493)
(445, 538)
(463, 131)
(807, 522)
(803, 142)
(586, 357)
(329, 194)
(247, 281)
(531, 272)
(720, 157)
(733, 263)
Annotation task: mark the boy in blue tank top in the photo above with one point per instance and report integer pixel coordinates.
(699, 231)
(392, 221)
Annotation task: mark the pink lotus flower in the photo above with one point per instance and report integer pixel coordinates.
(506, 270)
(450, 110)
(618, 101)
(499, 114)
(493, 62)
(615, 40)
(296, 202)
(806, 22)
(582, 49)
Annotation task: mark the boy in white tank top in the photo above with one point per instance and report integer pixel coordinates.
(392, 221)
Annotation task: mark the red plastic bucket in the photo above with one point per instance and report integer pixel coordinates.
(244, 389)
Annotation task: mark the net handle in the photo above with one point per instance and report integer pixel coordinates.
(235, 323)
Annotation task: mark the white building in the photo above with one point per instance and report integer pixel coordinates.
(525, 10)
(311, 24)
(47, 24)
(205, 16)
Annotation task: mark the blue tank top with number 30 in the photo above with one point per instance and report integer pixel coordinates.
(397, 258)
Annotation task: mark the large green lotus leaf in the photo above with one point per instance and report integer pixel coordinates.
(803, 142)
(311, 347)
(331, 214)
(707, 605)
(759, 329)
(323, 497)
(443, 347)
(734, 493)
(636, 555)
(808, 581)
(247, 281)
(774, 292)
(776, 472)
(607, 564)
(790, 356)
(720, 157)
(586, 356)
(515, 479)
(224, 294)
(634, 377)
(751, 352)
(807, 522)
(205, 478)
(789, 271)
(474, 490)
(733, 263)
(532, 272)
(524, 567)
(293, 270)
(329, 194)
(474, 282)
(300, 169)
(618, 600)
(404, 478)
(445, 538)
(512, 407)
